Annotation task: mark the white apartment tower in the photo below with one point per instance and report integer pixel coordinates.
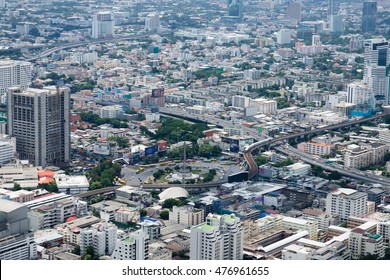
(103, 25)
(39, 120)
(219, 238)
(347, 202)
(186, 215)
(152, 23)
(13, 74)
(133, 247)
(101, 237)
(362, 243)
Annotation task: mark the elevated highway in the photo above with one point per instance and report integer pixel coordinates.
(253, 168)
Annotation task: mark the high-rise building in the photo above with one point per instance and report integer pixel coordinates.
(332, 7)
(13, 74)
(383, 228)
(294, 11)
(234, 8)
(346, 202)
(152, 23)
(133, 247)
(103, 25)
(39, 120)
(186, 215)
(369, 16)
(2, 4)
(362, 243)
(16, 241)
(376, 59)
(101, 237)
(336, 24)
(219, 238)
(283, 36)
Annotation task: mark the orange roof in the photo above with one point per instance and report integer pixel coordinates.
(71, 218)
(45, 180)
(46, 173)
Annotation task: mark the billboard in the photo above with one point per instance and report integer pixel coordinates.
(150, 151)
(157, 92)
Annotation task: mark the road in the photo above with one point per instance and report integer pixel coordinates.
(55, 48)
(253, 168)
(349, 172)
(209, 119)
(132, 178)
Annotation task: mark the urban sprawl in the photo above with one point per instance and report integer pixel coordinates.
(195, 130)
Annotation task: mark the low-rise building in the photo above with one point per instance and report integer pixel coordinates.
(72, 184)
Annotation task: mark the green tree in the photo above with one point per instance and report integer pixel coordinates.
(122, 142)
(50, 187)
(334, 175)
(164, 215)
(76, 250)
(34, 32)
(16, 187)
(143, 212)
(260, 160)
(170, 202)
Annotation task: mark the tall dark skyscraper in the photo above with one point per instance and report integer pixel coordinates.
(39, 119)
(332, 8)
(234, 8)
(294, 11)
(369, 16)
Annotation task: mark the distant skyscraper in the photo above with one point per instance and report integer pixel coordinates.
(369, 16)
(294, 11)
(219, 238)
(39, 119)
(13, 74)
(152, 23)
(336, 24)
(2, 4)
(103, 25)
(332, 7)
(234, 8)
(376, 59)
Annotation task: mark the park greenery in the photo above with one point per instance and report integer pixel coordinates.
(174, 130)
(90, 117)
(122, 142)
(103, 174)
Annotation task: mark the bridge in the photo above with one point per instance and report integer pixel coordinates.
(253, 168)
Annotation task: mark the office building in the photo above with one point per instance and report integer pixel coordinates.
(346, 202)
(296, 224)
(186, 215)
(133, 247)
(324, 219)
(24, 175)
(103, 25)
(294, 11)
(46, 214)
(111, 112)
(332, 7)
(336, 24)
(283, 36)
(219, 238)
(13, 74)
(320, 149)
(16, 241)
(234, 8)
(72, 184)
(362, 243)
(369, 16)
(152, 23)
(362, 156)
(39, 120)
(101, 237)
(7, 148)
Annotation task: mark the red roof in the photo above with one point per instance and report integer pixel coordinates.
(71, 218)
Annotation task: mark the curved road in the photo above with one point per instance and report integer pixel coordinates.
(253, 168)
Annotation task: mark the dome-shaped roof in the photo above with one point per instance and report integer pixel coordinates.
(174, 192)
